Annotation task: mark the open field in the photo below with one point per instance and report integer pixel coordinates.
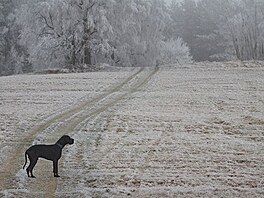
(187, 131)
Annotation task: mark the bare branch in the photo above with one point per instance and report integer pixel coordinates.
(51, 19)
(46, 22)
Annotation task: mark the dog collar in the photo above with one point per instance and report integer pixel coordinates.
(59, 145)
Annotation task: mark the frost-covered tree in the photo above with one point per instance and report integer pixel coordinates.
(139, 27)
(59, 32)
(174, 52)
(13, 56)
(152, 30)
(69, 32)
(244, 28)
(133, 22)
(219, 30)
(4, 40)
(197, 23)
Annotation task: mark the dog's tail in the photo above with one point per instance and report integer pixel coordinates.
(25, 159)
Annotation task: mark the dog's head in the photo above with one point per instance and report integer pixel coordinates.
(66, 140)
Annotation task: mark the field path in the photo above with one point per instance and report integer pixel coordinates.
(66, 123)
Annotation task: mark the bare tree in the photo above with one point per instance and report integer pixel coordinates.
(246, 29)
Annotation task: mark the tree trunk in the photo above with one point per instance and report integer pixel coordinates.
(87, 56)
(73, 56)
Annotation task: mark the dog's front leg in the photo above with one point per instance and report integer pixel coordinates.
(55, 168)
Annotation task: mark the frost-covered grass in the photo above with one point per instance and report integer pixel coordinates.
(28, 99)
(192, 131)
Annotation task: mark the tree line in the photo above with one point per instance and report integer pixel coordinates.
(38, 34)
(218, 30)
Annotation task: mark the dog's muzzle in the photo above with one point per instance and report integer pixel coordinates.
(71, 141)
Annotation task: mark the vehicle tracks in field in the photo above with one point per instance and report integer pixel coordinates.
(66, 123)
(96, 119)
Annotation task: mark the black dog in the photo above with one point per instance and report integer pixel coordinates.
(49, 152)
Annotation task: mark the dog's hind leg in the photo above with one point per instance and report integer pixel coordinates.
(32, 164)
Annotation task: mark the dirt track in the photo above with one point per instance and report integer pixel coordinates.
(67, 123)
(184, 132)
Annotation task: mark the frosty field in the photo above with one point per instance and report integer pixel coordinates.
(187, 131)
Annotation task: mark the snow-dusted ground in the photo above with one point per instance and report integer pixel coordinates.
(26, 100)
(191, 131)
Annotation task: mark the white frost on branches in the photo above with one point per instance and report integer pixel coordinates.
(117, 32)
(174, 51)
